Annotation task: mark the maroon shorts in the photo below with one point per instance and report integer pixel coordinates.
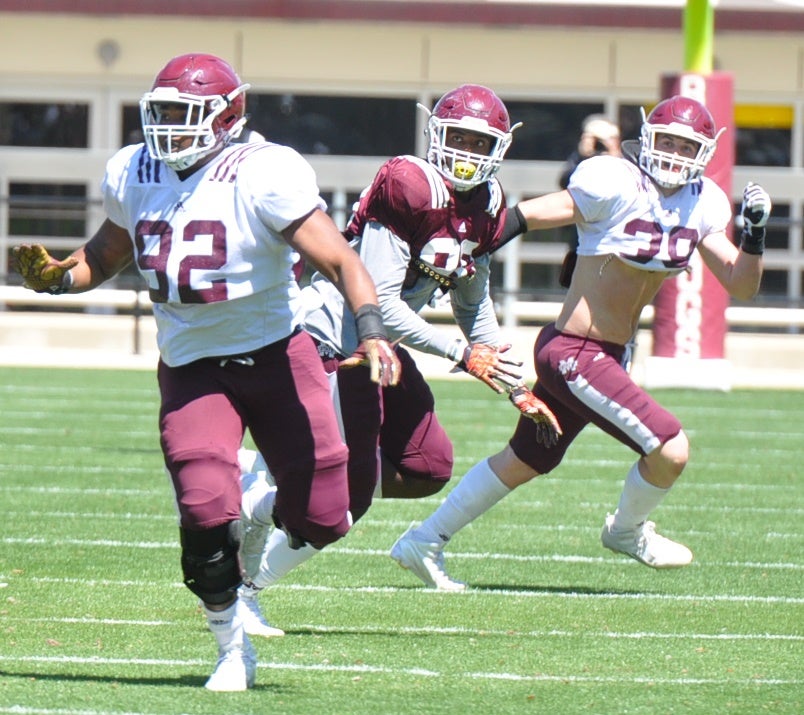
(283, 399)
(412, 438)
(582, 381)
(402, 418)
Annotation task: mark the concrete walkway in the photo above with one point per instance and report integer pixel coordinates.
(113, 341)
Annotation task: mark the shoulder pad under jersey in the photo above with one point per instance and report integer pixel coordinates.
(418, 181)
(232, 157)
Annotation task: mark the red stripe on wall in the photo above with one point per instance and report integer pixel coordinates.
(478, 13)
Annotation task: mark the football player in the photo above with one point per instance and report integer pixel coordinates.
(423, 228)
(214, 228)
(639, 219)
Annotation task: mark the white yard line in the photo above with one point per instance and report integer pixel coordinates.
(469, 593)
(440, 631)
(413, 672)
(476, 556)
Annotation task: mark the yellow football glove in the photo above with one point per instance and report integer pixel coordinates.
(40, 271)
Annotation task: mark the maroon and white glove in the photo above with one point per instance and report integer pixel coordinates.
(532, 407)
(379, 355)
(40, 271)
(374, 349)
(485, 362)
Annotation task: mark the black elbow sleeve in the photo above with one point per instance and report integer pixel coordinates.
(515, 225)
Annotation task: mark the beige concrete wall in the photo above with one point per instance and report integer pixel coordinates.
(338, 55)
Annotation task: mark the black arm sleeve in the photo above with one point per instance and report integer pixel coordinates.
(515, 225)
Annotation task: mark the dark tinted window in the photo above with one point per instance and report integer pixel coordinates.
(41, 124)
(37, 211)
(629, 117)
(764, 134)
(777, 232)
(549, 131)
(358, 126)
(763, 147)
(47, 210)
(774, 284)
(131, 131)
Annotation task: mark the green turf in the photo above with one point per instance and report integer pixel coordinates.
(93, 618)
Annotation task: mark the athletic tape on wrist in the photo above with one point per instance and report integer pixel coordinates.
(369, 323)
(751, 243)
(64, 286)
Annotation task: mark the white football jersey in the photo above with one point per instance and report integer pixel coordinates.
(625, 214)
(210, 248)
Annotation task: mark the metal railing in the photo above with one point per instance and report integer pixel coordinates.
(341, 179)
(137, 304)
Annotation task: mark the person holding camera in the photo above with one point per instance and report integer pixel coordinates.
(599, 136)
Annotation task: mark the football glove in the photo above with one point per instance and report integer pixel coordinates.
(532, 407)
(379, 355)
(486, 364)
(755, 211)
(40, 271)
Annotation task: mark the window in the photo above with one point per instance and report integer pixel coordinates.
(131, 131)
(549, 131)
(40, 124)
(777, 234)
(357, 126)
(312, 124)
(39, 210)
(763, 147)
(764, 135)
(629, 117)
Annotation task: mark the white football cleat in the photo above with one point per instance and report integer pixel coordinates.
(254, 531)
(424, 559)
(645, 545)
(248, 609)
(235, 670)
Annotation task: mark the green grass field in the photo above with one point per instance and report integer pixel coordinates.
(94, 619)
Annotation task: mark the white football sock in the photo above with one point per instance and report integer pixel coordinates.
(478, 491)
(279, 559)
(638, 499)
(247, 459)
(226, 626)
(263, 509)
(258, 498)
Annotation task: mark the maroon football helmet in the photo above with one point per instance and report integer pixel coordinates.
(214, 103)
(477, 109)
(682, 117)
